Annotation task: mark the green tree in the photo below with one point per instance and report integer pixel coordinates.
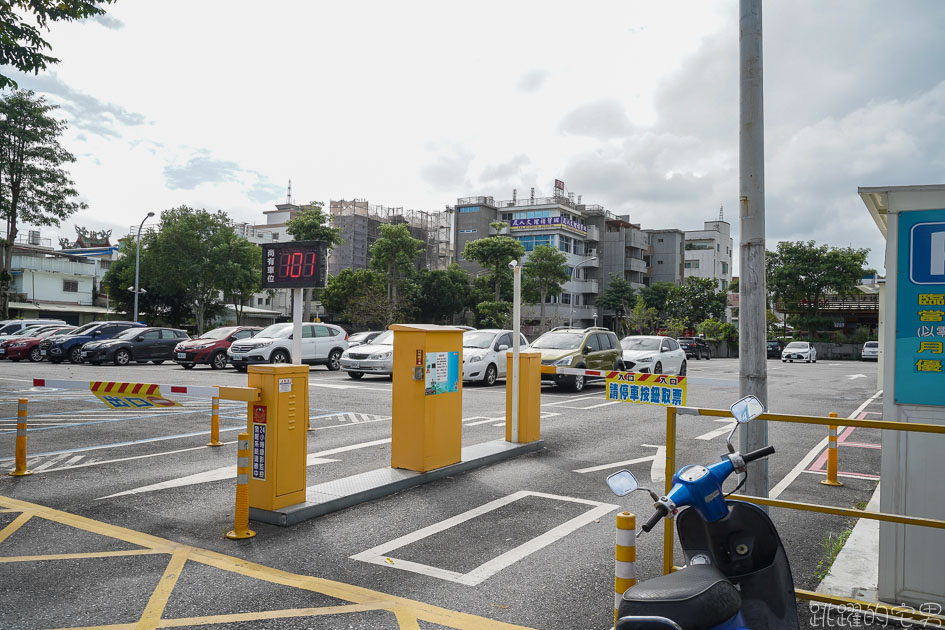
(696, 301)
(442, 294)
(312, 224)
(641, 319)
(22, 45)
(34, 187)
(546, 268)
(190, 250)
(674, 327)
(801, 275)
(395, 254)
(494, 314)
(619, 296)
(159, 303)
(495, 253)
(241, 272)
(371, 308)
(341, 289)
(655, 296)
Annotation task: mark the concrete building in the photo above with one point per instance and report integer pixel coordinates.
(666, 256)
(709, 253)
(596, 242)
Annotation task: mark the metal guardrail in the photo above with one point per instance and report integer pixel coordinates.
(875, 607)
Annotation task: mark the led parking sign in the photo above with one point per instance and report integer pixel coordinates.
(295, 265)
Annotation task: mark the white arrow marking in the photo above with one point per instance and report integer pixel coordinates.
(729, 423)
(855, 376)
(656, 470)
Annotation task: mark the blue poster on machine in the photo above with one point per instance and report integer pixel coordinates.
(442, 373)
(920, 309)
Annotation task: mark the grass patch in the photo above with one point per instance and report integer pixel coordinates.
(832, 546)
(860, 505)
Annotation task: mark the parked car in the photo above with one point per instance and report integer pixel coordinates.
(30, 331)
(484, 353)
(361, 338)
(57, 348)
(211, 347)
(13, 326)
(870, 351)
(135, 344)
(322, 344)
(18, 347)
(694, 347)
(774, 348)
(376, 357)
(592, 348)
(653, 355)
(799, 351)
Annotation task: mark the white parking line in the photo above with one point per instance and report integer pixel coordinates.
(377, 555)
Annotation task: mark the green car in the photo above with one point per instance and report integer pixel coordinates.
(592, 348)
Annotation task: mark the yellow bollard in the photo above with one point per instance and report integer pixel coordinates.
(241, 516)
(831, 479)
(215, 424)
(624, 574)
(20, 469)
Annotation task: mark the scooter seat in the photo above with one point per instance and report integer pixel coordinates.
(697, 598)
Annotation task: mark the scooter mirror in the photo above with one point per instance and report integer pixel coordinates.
(622, 483)
(747, 409)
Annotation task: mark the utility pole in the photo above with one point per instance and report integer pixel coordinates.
(752, 292)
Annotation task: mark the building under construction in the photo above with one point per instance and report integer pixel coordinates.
(361, 222)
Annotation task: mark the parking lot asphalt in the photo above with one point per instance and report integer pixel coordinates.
(127, 509)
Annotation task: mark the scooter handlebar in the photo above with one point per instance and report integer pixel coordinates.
(761, 452)
(661, 511)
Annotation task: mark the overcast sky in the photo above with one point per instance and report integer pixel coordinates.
(634, 104)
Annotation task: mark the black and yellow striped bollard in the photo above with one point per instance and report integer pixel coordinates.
(241, 515)
(20, 465)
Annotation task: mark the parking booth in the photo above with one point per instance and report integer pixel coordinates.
(427, 422)
(277, 428)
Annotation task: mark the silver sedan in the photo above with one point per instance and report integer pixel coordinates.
(376, 357)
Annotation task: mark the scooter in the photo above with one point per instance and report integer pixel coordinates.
(737, 574)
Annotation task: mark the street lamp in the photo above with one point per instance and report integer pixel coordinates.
(138, 261)
(583, 262)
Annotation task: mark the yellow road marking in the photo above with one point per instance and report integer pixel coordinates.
(155, 608)
(407, 612)
(14, 525)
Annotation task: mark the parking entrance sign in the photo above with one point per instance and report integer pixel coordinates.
(920, 309)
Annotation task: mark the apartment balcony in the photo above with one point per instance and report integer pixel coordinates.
(635, 264)
(593, 233)
(581, 286)
(639, 239)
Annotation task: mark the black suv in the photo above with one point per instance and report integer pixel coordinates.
(135, 344)
(60, 347)
(695, 347)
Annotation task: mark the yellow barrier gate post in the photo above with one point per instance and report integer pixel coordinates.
(427, 398)
(241, 514)
(831, 479)
(626, 554)
(668, 524)
(215, 423)
(529, 398)
(20, 466)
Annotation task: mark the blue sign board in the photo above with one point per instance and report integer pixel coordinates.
(920, 309)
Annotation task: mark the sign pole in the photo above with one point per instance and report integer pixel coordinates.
(297, 326)
(516, 339)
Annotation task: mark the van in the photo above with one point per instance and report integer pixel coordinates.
(13, 326)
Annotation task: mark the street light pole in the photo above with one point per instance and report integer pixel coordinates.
(571, 314)
(516, 339)
(138, 261)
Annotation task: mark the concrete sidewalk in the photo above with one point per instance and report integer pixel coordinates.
(855, 572)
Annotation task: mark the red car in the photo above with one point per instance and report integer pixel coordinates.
(28, 347)
(211, 346)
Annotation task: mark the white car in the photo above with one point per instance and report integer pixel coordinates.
(799, 351)
(484, 353)
(375, 357)
(653, 355)
(321, 344)
(870, 351)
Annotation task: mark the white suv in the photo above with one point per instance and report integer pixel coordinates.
(322, 344)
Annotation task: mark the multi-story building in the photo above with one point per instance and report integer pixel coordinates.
(595, 242)
(666, 256)
(709, 253)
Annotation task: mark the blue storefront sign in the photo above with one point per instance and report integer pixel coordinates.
(920, 309)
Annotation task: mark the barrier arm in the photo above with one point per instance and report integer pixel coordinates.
(245, 394)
